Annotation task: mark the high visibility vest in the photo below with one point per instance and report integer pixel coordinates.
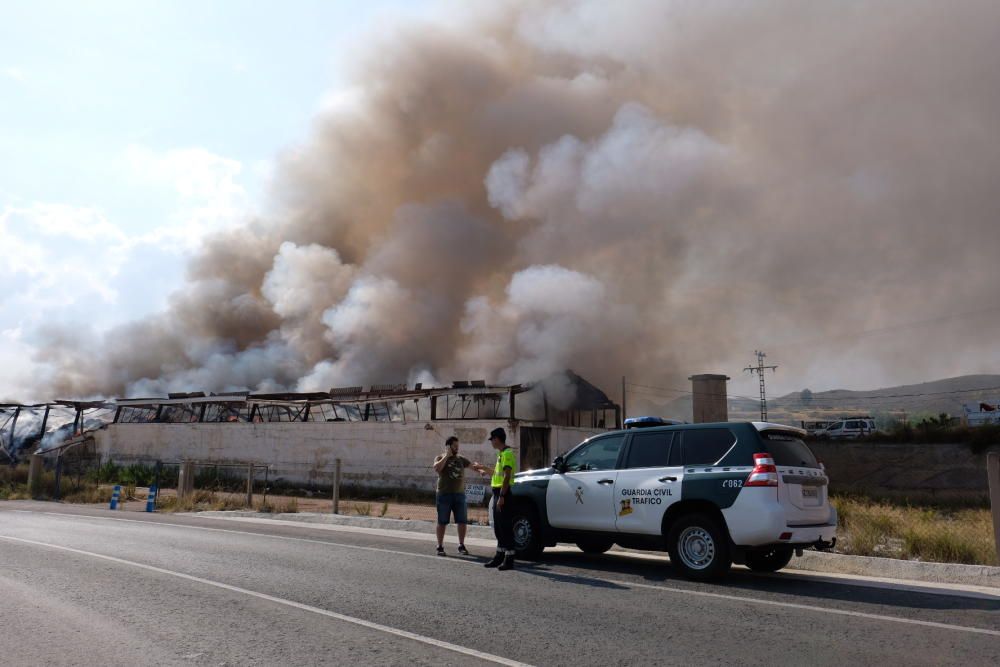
(505, 459)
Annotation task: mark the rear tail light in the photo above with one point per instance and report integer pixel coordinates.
(764, 471)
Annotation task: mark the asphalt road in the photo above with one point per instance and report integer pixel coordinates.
(80, 586)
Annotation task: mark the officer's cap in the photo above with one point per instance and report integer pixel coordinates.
(499, 434)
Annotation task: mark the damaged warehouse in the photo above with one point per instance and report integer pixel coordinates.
(385, 435)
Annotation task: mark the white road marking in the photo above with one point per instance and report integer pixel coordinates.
(288, 603)
(666, 589)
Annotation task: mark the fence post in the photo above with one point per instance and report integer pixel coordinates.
(35, 475)
(993, 472)
(185, 480)
(156, 474)
(250, 486)
(336, 486)
(267, 469)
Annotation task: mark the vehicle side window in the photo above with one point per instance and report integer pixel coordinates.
(706, 446)
(649, 449)
(835, 427)
(599, 454)
(853, 424)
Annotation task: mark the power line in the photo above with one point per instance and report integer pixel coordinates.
(819, 399)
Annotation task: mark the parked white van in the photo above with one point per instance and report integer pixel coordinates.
(848, 429)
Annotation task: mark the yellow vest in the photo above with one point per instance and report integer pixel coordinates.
(505, 459)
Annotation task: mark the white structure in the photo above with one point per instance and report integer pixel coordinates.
(979, 414)
(386, 437)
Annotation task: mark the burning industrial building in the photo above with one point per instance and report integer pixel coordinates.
(386, 435)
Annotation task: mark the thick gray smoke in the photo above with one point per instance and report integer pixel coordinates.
(644, 188)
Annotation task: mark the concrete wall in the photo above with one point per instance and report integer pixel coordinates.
(904, 469)
(373, 454)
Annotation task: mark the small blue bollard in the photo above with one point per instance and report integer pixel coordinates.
(151, 499)
(115, 495)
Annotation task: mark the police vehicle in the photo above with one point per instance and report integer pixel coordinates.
(708, 494)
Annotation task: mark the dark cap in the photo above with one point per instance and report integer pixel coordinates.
(499, 434)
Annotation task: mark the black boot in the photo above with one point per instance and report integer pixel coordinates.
(497, 559)
(508, 562)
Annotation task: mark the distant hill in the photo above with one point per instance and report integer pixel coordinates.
(911, 401)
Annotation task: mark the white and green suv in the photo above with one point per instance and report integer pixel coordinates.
(709, 494)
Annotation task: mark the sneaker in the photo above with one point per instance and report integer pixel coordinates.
(440, 551)
(462, 550)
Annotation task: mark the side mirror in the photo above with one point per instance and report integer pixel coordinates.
(559, 464)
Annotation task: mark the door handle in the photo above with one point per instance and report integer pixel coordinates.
(605, 481)
(668, 478)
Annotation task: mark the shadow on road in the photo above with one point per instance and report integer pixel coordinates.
(741, 580)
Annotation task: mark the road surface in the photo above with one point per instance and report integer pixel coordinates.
(82, 586)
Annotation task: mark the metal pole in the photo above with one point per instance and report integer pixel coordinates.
(250, 485)
(267, 469)
(156, 475)
(336, 486)
(624, 411)
(13, 432)
(993, 472)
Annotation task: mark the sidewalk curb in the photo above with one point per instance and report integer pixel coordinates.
(893, 568)
(811, 561)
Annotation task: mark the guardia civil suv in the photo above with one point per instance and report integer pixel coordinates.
(709, 494)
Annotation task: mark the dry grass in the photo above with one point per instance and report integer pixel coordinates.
(870, 528)
(89, 494)
(201, 501)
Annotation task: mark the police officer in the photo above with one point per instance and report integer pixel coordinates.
(503, 477)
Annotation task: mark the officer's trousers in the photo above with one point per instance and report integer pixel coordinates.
(502, 526)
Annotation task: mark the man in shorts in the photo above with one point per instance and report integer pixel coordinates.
(450, 467)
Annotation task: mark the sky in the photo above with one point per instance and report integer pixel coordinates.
(130, 130)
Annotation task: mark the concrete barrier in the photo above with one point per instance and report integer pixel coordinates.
(914, 469)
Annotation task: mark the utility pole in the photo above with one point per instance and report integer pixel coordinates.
(759, 370)
(624, 413)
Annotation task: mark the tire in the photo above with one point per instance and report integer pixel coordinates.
(768, 560)
(595, 545)
(698, 547)
(527, 533)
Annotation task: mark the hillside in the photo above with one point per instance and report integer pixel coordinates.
(913, 400)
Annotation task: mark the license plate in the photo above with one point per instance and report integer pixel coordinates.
(810, 492)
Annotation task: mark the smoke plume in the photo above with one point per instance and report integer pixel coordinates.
(644, 188)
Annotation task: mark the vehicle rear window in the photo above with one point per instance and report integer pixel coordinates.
(706, 446)
(788, 449)
(649, 449)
